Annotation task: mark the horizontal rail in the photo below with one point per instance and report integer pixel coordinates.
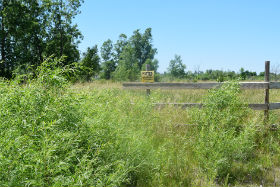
(274, 85)
(270, 106)
(162, 85)
(274, 106)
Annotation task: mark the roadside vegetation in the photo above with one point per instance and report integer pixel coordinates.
(57, 134)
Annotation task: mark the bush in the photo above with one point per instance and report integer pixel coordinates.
(226, 138)
(52, 136)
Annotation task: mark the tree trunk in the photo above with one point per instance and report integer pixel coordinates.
(39, 51)
(61, 31)
(3, 41)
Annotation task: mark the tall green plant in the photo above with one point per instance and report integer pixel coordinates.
(225, 137)
(52, 136)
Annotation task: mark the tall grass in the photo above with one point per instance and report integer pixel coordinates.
(225, 135)
(52, 134)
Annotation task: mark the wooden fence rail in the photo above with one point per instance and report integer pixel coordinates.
(208, 85)
(256, 106)
(266, 86)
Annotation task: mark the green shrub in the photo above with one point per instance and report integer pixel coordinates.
(52, 136)
(225, 136)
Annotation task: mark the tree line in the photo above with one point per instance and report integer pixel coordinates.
(177, 70)
(33, 30)
(124, 59)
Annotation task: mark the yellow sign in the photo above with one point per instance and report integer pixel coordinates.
(147, 76)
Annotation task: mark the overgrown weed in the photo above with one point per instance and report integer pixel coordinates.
(54, 135)
(226, 142)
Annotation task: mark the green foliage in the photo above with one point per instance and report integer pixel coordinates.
(131, 55)
(226, 137)
(90, 63)
(142, 44)
(153, 65)
(37, 121)
(246, 74)
(52, 136)
(119, 46)
(108, 65)
(128, 66)
(106, 50)
(176, 67)
(63, 37)
(216, 75)
(52, 74)
(30, 30)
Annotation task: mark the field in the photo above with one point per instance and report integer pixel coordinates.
(68, 117)
(96, 134)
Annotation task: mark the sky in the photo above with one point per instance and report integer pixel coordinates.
(207, 34)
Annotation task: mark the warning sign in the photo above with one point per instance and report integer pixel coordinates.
(147, 76)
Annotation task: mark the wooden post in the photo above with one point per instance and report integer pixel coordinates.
(266, 99)
(148, 91)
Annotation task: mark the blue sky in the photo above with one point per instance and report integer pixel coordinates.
(208, 34)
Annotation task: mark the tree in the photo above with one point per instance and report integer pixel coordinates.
(153, 65)
(275, 69)
(30, 30)
(21, 31)
(90, 63)
(119, 46)
(133, 54)
(176, 67)
(246, 74)
(108, 65)
(28, 33)
(3, 36)
(63, 37)
(128, 66)
(242, 74)
(142, 43)
(106, 50)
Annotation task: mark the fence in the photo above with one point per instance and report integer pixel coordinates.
(266, 86)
